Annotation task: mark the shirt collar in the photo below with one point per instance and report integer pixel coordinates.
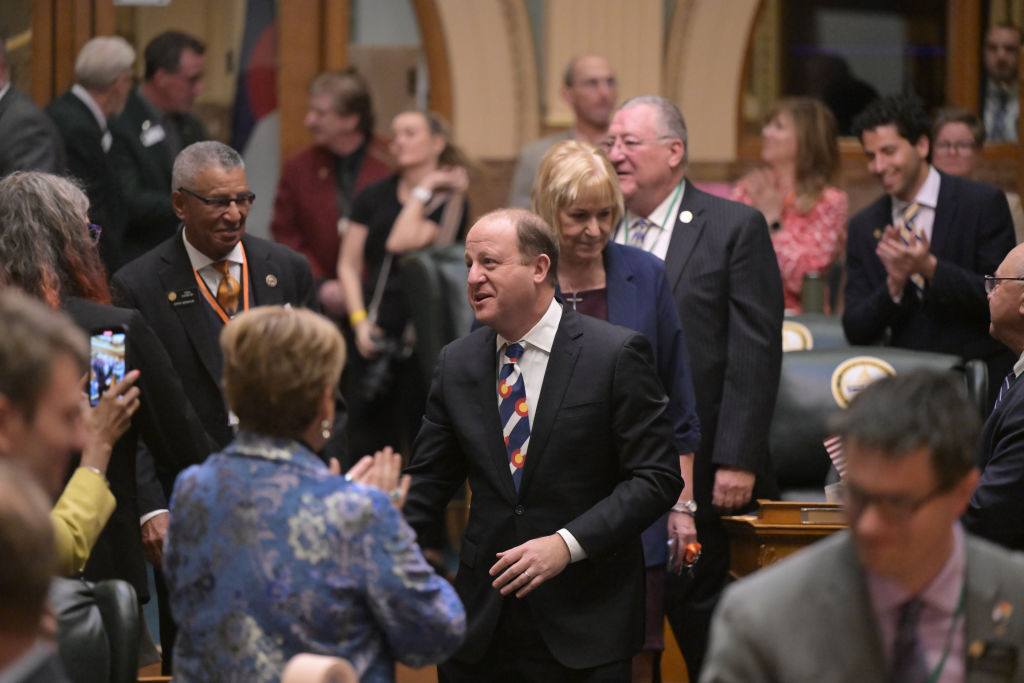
(660, 214)
(3, 90)
(542, 335)
(1018, 367)
(200, 260)
(277, 448)
(942, 593)
(83, 94)
(927, 196)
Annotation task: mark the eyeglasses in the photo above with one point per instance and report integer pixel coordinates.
(244, 200)
(992, 282)
(629, 143)
(961, 147)
(94, 232)
(896, 509)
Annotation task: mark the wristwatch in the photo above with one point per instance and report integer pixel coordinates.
(687, 508)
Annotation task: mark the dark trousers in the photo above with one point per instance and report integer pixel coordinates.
(517, 654)
(168, 629)
(689, 601)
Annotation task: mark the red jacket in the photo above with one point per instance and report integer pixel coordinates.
(306, 206)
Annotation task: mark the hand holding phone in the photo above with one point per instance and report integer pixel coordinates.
(107, 361)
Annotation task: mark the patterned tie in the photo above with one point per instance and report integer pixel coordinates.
(908, 665)
(639, 234)
(1003, 388)
(908, 235)
(228, 289)
(512, 409)
(998, 128)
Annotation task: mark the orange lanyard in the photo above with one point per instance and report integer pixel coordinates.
(211, 297)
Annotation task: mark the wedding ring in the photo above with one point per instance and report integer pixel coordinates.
(396, 494)
(526, 573)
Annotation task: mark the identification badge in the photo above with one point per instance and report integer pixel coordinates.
(152, 135)
(182, 297)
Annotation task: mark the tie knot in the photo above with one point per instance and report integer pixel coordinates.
(513, 352)
(910, 212)
(910, 612)
(221, 267)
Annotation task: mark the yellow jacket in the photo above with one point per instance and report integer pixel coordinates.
(78, 518)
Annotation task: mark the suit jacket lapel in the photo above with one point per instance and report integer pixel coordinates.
(564, 353)
(846, 603)
(685, 235)
(264, 276)
(176, 275)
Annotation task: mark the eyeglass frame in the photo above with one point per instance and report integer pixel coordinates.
(992, 282)
(94, 232)
(959, 147)
(897, 509)
(631, 144)
(243, 200)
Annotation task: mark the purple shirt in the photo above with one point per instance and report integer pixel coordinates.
(941, 598)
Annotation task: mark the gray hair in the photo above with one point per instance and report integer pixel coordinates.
(102, 61)
(200, 156)
(669, 123)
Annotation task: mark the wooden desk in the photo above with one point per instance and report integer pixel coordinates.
(780, 528)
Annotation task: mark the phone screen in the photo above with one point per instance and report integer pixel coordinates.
(106, 362)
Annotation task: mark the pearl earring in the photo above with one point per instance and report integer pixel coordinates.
(325, 427)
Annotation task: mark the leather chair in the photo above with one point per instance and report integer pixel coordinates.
(97, 629)
(817, 383)
(434, 280)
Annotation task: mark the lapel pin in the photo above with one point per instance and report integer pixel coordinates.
(878, 234)
(686, 216)
(322, 173)
(271, 281)
(172, 296)
(976, 649)
(1001, 614)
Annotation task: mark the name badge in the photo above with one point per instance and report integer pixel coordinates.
(152, 135)
(182, 297)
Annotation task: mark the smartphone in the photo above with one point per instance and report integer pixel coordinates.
(106, 361)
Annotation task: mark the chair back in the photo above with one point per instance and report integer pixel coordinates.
(816, 383)
(807, 331)
(97, 629)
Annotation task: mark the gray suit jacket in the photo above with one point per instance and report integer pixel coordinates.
(809, 617)
(529, 161)
(28, 139)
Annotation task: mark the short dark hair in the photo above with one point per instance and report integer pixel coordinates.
(350, 94)
(906, 112)
(533, 237)
(958, 115)
(164, 51)
(896, 415)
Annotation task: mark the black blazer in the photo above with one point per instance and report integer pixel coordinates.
(972, 233)
(144, 175)
(165, 420)
(83, 144)
(726, 283)
(602, 463)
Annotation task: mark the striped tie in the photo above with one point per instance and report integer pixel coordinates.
(512, 409)
(1003, 388)
(639, 233)
(908, 235)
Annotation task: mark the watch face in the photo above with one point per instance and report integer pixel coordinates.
(690, 505)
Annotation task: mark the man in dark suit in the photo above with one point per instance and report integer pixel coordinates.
(997, 505)
(181, 291)
(551, 571)
(103, 79)
(154, 126)
(317, 185)
(915, 257)
(725, 279)
(28, 140)
(904, 594)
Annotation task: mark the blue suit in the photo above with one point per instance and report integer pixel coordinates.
(639, 298)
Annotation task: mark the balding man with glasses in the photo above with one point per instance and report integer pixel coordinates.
(997, 505)
(191, 285)
(904, 594)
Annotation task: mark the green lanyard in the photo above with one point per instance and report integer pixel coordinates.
(668, 217)
(960, 608)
